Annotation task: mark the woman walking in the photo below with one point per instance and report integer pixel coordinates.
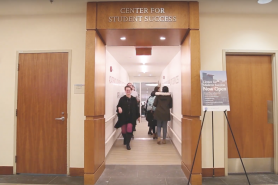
(163, 104)
(128, 113)
(150, 111)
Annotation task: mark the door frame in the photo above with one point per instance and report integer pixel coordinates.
(68, 100)
(273, 54)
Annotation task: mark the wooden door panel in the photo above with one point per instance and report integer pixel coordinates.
(250, 87)
(42, 97)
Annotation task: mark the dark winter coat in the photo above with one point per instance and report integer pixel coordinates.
(163, 104)
(134, 111)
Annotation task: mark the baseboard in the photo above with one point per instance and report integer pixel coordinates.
(76, 172)
(218, 172)
(6, 170)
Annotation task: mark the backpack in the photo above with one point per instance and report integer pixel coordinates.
(150, 103)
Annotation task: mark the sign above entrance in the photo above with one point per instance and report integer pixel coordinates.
(132, 15)
(159, 15)
(214, 90)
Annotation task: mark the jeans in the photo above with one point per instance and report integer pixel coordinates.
(159, 125)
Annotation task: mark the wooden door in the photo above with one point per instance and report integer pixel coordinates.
(42, 97)
(250, 87)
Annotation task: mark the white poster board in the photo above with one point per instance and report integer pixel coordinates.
(214, 90)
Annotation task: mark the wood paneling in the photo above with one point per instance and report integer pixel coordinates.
(89, 109)
(94, 127)
(143, 51)
(6, 170)
(190, 74)
(99, 101)
(196, 179)
(218, 172)
(194, 15)
(92, 178)
(94, 75)
(94, 144)
(108, 9)
(42, 97)
(143, 37)
(76, 172)
(190, 131)
(250, 87)
(91, 19)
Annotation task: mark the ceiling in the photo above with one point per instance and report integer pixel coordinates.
(154, 64)
(143, 37)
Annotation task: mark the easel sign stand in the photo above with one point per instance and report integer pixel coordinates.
(215, 98)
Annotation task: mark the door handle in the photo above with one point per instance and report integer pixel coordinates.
(61, 119)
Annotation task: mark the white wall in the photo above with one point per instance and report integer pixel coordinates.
(232, 32)
(171, 77)
(143, 79)
(114, 89)
(41, 32)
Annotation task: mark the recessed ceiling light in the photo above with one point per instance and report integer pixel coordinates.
(264, 1)
(162, 38)
(123, 38)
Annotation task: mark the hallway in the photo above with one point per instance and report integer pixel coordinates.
(144, 150)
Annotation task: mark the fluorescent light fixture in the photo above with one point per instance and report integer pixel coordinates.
(162, 38)
(264, 1)
(151, 85)
(144, 59)
(123, 38)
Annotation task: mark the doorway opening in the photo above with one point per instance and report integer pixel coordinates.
(145, 73)
(175, 24)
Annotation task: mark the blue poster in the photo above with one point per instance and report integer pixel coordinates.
(214, 90)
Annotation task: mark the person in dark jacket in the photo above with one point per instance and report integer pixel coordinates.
(163, 104)
(128, 113)
(150, 111)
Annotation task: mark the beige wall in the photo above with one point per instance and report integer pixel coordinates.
(41, 32)
(230, 32)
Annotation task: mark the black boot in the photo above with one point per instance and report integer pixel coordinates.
(150, 132)
(128, 138)
(124, 136)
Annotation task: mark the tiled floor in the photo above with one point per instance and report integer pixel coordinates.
(140, 175)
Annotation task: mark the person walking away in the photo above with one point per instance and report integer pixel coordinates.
(128, 113)
(156, 89)
(150, 118)
(163, 104)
